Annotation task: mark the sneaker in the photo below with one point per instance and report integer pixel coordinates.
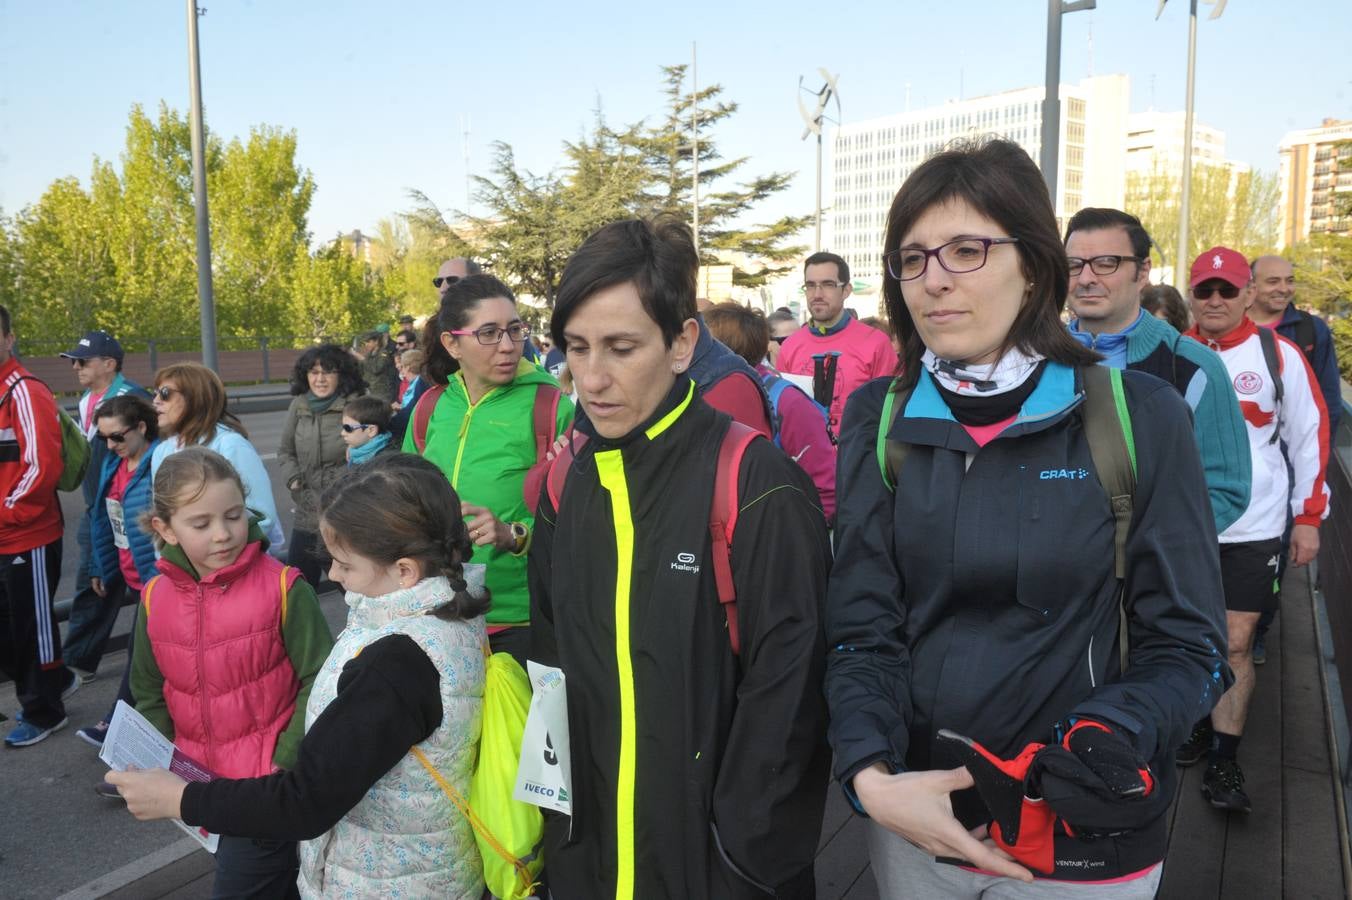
(1223, 786)
(1260, 650)
(107, 791)
(72, 687)
(26, 734)
(85, 675)
(94, 734)
(1195, 747)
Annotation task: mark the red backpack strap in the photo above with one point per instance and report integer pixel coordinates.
(558, 468)
(422, 414)
(723, 520)
(544, 418)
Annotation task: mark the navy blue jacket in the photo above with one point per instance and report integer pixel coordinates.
(135, 501)
(980, 597)
(1322, 360)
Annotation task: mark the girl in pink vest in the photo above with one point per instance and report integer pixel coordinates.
(228, 644)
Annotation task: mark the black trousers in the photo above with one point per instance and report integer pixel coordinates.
(248, 869)
(30, 642)
(305, 551)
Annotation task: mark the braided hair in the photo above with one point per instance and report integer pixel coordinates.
(401, 506)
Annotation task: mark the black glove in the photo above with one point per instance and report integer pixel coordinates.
(1096, 782)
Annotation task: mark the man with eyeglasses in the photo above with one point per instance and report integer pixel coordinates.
(97, 362)
(1286, 424)
(1109, 255)
(834, 349)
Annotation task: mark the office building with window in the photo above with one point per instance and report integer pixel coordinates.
(1315, 175)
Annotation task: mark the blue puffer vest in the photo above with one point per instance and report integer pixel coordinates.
(135, 501)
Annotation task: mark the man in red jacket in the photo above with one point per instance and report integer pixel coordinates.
(30, 547)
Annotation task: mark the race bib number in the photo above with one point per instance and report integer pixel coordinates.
(116, 517)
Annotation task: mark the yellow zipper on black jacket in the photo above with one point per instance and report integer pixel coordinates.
(610, 471)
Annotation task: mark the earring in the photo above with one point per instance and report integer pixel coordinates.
(678, 369)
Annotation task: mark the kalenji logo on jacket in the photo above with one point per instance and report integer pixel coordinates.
(685, 562)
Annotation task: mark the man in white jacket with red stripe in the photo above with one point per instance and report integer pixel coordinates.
(1286, 423)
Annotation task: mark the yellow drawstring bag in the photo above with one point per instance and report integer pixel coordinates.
(509, 832)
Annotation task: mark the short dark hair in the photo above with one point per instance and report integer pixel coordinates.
(369, 410)
(331, 358)
(743, 329)
(400, 505)
(1166, 298)
(821, 256)
(998, 180)
(781, 315)
(657, 255)
(407, 334)
(459, 302)
(1098, 218)
(132, 409)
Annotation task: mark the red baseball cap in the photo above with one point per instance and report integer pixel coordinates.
(1223, 263)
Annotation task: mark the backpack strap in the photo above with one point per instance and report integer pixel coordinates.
(289, 576)
(723, 521)
(422, 414)
(557, 476)
(1268, 340)
(544, 416)
(891, 454)
(1112, 446)
(5, 399)
(145, 592)
(1305, 338)
(774, 389)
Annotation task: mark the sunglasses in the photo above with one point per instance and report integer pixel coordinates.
(447, 280)
(165, 392)
(117, 437)
(1227, 291)
(779, 339)
(351, 428)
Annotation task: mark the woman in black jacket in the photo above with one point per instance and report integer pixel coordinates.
(699, 764)
(974, 587)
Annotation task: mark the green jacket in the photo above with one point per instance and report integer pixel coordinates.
(306, 636)
(485, 449)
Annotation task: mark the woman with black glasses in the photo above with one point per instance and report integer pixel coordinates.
(312, 452)
(489, 418)
(1026, 596)
(189, 402)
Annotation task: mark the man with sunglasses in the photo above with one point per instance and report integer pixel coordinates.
(1109, 255)
(97, 362)
(1286, 425)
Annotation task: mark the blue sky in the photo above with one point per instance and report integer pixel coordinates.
(376, 92)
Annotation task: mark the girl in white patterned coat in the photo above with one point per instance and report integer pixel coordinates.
(407, 671)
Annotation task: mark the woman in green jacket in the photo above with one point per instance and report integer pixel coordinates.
(312, 453)
(481, 433)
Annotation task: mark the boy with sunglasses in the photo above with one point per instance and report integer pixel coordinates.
(96, 360)
(366, 429)
(1286, 424)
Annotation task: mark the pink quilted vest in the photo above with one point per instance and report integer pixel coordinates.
(228, 683)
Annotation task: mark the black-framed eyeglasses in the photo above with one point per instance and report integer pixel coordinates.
(1100, 265)
(1204, 291)
(117, 437)
(164, 392)
(447, 280)
(956, 257)
(810, 287)
(351, 428)
(489, 335)
(404, 344)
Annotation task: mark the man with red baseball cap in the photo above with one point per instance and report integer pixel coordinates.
(1286, 422)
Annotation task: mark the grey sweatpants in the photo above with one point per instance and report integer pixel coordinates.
(905, 871)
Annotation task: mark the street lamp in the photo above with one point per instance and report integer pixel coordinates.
(199, 195)
(814, 121)
(1051, 101)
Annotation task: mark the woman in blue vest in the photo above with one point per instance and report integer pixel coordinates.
(976, 598)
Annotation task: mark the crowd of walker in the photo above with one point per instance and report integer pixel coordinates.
(992, 575)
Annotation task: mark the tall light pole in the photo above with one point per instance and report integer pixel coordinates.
(825, 95)
(694, 144)
(1051, 101)
(199, 196)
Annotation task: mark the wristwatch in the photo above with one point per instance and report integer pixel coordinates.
(520, 536)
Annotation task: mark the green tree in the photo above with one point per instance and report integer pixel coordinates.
(334, 295)
(668, 152)
(1234, 209)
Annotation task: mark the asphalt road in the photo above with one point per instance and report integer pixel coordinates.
(56, 834)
